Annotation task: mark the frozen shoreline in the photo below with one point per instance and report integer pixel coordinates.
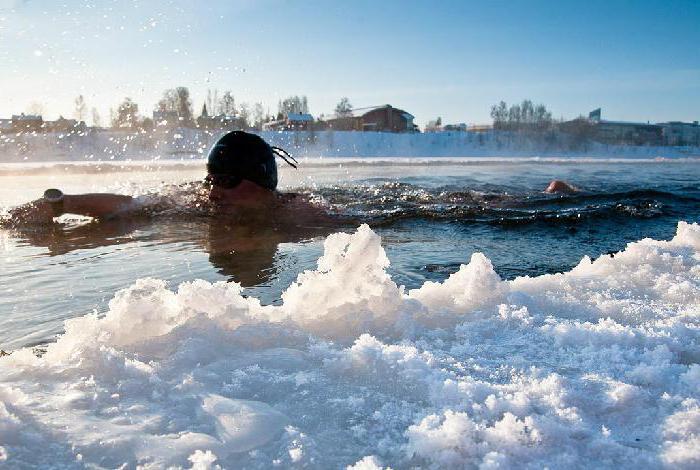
(597, 366)
(114, 166)
(191, 144)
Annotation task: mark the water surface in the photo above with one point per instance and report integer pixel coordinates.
(431, 214)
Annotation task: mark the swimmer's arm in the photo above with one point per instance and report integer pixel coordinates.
(99, 205)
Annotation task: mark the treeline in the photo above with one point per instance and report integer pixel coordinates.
(523, 116)
(177, 102)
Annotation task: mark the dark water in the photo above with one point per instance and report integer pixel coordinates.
(523, 233)
(431, 220)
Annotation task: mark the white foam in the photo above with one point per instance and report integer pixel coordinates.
(594, 367)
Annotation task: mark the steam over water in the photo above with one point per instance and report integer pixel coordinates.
(457, 318)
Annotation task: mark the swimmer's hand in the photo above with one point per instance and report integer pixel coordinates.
(98, 205)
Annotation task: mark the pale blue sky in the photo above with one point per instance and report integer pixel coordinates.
(637, 60)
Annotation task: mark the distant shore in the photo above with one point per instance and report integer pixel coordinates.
(192, 145)
(167, 165)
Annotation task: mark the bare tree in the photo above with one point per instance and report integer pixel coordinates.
(80, 108)
(227, 104)
(343, 108)
(96, 121)
(258, 115)
(127, 114)
(527, 113)
(169, 101)
(294, 104)
(499, 113)
(244, 116)
(209, 103)
(514, 117)
(184, 105)
(523, 116)
(178, 100)
(543, 118)
(147, 124)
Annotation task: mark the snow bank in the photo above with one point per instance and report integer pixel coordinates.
(188, 144)
(594, 367)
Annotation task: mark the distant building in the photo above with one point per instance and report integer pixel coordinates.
(221, 121)
(616, 132)
(480, 128)
(5, 125)
(379, 119)
(434, 126)
(594, 115)
(681, 133)
(162, 118)
(343, 123)
(388, 119)
(292, 121)
(461, 127)
(299, 120)
(27, 123)
(623, 132)
(64, 125)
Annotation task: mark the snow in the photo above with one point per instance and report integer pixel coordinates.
(299, 117)
(188, 144)
(370, 462)
(595, 367)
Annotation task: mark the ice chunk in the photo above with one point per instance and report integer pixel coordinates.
(350, 292)
(475, 286)
(242, 425)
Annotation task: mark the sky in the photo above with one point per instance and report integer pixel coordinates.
(637, 60)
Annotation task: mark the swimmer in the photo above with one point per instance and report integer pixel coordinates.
(241, 178)
(560, 187)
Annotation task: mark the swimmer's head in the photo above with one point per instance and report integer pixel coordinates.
(239, 156)
(560, 187)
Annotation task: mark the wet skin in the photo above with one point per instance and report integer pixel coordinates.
(241, 230)
(246, 199)
(560, 187)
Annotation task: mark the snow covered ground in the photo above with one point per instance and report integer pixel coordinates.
(596, 367)
(193, 144)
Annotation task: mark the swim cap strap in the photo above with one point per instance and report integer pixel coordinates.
(284, 155)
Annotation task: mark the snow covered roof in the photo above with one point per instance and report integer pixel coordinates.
(299, 117)
(625, 123)
(405, 114)
(26, 117)
(62, 120)
(680, 124)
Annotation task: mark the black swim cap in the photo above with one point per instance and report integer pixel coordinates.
(246, 156)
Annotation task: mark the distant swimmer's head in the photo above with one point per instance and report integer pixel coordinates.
(239, 156)
(560, 187)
